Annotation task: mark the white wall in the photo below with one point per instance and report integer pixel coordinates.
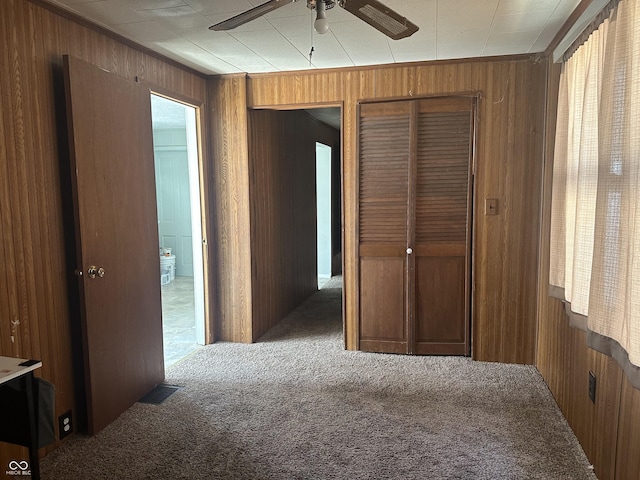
(172, 190)
(323, 198)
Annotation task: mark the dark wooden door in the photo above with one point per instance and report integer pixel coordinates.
(110, 134)
(442, 234)
(414, 225)
(384, 152)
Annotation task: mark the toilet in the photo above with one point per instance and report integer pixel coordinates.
(168, 265)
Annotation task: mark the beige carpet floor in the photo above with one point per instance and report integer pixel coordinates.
(296, 405)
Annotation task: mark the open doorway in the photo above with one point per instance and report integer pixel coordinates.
(282, 183)
(179, 226)
(323, 213)
(328, 197)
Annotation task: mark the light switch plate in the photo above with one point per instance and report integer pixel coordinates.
(491, 206)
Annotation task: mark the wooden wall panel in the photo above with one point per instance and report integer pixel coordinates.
(36, 233)
(628, 445)
(298, 88)
(607, 430)
(282, 158)
(549, 347)
(232, 247)
(569, 362)
(509, 165)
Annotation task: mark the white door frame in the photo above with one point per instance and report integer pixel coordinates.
(195, 195)
(196, 226)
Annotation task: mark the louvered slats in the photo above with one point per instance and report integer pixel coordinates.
(414, 174)
(384, 175)
(442, 177)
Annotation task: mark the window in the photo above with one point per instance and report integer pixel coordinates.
(595, 223)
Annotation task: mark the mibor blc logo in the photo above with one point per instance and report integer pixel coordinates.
(17, 468)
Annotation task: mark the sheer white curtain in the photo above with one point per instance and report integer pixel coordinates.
(595, 224)
(575, 176)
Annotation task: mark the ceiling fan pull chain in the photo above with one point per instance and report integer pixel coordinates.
(311, 40)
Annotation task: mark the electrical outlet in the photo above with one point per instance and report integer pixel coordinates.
(65, 424)
(592, 387)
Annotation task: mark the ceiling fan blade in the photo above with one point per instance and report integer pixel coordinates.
(382, 18)
(252, 14)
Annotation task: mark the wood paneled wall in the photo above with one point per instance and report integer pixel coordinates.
(609, 429)
(36, 233)
(232, 247)
(264, 177)
(628, 444)
(509, 166)
(282, 160)
(36, 230)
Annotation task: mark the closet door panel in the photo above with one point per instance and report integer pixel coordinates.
(382, 300)
(383, 178)
(415, 225)
(442, 228)
(440, 303)
(384, 163)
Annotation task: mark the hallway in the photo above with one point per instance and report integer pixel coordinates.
(178, 324)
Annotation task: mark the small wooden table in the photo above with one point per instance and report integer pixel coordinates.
(19, 368)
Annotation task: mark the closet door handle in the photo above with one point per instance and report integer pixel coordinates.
(409, 251)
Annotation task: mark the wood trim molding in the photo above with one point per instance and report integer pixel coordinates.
(301, 106)
(365, 68)
(471, 94)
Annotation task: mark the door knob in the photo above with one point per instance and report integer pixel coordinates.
(409, 251)
(94, 271)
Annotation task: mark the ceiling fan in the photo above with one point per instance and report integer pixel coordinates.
(392, 24)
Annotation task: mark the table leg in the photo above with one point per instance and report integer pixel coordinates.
(32, 409)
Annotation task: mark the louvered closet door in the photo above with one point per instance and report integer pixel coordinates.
(383, 177)
(414, 226)
(441, 245)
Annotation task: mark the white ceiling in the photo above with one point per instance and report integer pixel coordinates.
(281, 40)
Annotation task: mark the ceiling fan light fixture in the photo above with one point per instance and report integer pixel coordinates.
(373, 12)
(321, 25)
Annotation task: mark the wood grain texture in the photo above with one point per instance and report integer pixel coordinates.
(509, 165)
(282, 185)
(383, 305)
(441, 326)
(443, 210)
(36, 233)
(607, 430)
(34, 205)
(414, 183)
(628, 445)
(384, 174)
(595, 425)
(112, 168)
(230, 191)
(386, 153)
